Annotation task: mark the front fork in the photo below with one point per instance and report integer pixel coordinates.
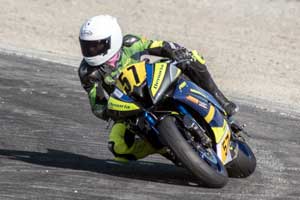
(191, 124)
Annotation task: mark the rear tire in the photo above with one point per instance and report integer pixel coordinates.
(191, 159)
(245, 162)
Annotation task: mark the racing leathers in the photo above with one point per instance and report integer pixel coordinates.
(97, 83)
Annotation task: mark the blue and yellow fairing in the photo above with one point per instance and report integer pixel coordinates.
(159, 78)
(201, 101)
(122, 105)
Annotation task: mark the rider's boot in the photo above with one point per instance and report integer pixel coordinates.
(230, 107)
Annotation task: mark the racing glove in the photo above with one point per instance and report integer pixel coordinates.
(181, 54)
(183, 57)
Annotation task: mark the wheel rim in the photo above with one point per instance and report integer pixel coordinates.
(210, 157)
(206, 154)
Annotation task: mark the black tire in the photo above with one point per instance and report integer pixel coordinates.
(189, 157)
(245, 162)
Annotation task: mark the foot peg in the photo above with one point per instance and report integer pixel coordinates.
(237, 127)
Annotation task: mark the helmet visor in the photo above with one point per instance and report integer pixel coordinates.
(94, 47)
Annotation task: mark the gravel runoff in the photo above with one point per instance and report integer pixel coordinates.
(251, 47)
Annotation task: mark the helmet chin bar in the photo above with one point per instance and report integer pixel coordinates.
(94, 61)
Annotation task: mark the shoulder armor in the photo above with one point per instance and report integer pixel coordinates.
(129, 40)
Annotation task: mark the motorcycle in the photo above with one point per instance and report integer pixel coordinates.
(157, 101)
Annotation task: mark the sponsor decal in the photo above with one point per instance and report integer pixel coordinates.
(118, 93)
(156, 84)
(203, 105)
(118, 106)
(86, 33)
(159, 73)
(196, 101)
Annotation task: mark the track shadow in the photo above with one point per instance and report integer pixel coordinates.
(142, 170)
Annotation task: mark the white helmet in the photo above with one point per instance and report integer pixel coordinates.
(100, 39)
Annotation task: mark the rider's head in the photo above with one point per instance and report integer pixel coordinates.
(100, 40)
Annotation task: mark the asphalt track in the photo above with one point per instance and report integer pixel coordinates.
(52, 147)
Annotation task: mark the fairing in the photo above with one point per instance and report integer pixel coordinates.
(159, 78)
(120, 105)
(201, 101)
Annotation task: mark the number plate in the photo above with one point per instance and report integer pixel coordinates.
(131, 76)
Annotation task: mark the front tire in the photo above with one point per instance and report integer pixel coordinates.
(209, 176)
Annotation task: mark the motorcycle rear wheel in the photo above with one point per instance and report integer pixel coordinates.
(190, 158)
(245, 162)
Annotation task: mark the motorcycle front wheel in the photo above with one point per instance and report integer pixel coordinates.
(203, 163)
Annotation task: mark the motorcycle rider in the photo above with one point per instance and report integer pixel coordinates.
(105, 51)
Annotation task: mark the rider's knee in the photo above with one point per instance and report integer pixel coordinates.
(120, 141)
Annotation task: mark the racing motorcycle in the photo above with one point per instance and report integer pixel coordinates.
(157, 101)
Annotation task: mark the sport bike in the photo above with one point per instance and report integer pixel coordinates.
(159, 103)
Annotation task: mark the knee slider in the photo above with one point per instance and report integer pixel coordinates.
(111, 147)
(115, 148)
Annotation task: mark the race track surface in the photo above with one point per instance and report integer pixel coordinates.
(52, 147)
